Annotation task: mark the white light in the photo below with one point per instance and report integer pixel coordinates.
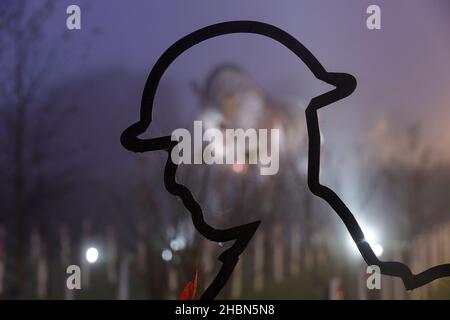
(371, 238)
(92, 255)
(166, 255)
(177, 244)
(351, 244)
(377, 249)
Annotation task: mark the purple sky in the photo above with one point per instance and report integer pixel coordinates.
(402, 70)
(404, 65)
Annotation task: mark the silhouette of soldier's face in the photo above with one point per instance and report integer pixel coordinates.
(241, 234)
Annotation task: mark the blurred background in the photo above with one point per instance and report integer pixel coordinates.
(71, 194)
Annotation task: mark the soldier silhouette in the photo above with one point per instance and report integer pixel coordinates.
(344, 84)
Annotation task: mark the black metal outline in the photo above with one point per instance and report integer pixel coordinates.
(344, 85)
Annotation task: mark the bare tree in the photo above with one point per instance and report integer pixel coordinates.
(30, 136)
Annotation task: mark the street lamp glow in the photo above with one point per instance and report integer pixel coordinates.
(178, 244)
(371, 238)
(92, 255)
(377, 249)
(167, 255)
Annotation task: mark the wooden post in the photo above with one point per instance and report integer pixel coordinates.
(35, 244)
(142, 249)
(42, 276)
(295, 250)
(278, 253)
(64, 240)
(2, 260)
(237, 278)
(172, 281)
(123, 288)
(258, 263)
(85, 266)
(446, 240)
(434, 250)
(111, 249)
(39, 257)
(399, 289)
(207, 262)
(441, 236)
(65, 252)
(336, 289)
(416, 262)
(385, 287)
(362, 283)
